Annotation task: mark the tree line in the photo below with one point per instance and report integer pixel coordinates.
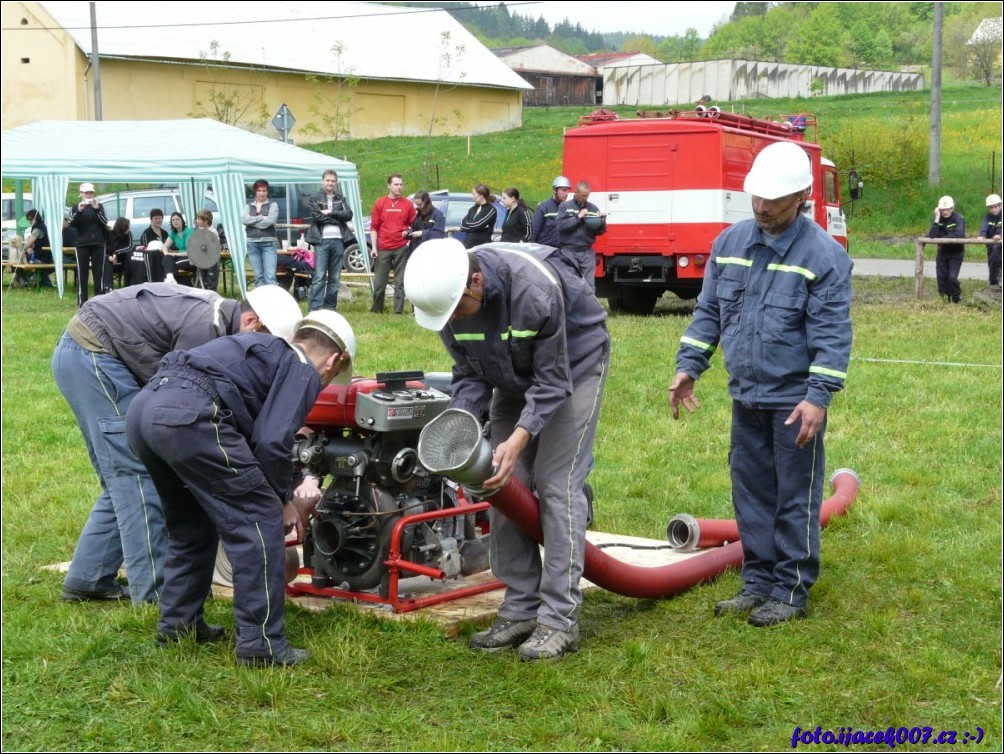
(884, 36)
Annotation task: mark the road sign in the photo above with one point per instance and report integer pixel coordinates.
(283, 121)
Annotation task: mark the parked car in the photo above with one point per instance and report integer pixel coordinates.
(454, 206)
(136, 204)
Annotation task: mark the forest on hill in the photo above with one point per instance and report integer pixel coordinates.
(886, 36)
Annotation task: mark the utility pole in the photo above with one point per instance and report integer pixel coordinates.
(95, 64)
(934, 155)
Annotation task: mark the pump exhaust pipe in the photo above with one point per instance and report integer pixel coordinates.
(452, 445)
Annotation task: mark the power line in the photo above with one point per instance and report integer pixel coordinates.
(403, 12)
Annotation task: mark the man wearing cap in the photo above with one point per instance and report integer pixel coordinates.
(948, 224)
(776, 297)
(215, 427)
(579, 223)
(991, 230)
(88, 219)
(108, 351)
(530, 351)
(544, 228)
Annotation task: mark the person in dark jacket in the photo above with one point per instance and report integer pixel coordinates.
(516, 225)
(215, 428)
(148, 264)
(948, 224)
(990, 230)
(107, 353)
(120, 250)
(544, 228)
(530, 352)
(579, 223)
(479, 222)
(328, 234)
(89, 220)
(36, 246)
(777, 299)
(429, 222)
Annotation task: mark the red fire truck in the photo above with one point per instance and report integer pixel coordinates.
(670, 184)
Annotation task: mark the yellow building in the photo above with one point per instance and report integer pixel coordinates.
(343, 69)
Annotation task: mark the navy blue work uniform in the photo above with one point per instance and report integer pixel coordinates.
(948, 260)
(779, 306)
(215, 427)
(991, 227)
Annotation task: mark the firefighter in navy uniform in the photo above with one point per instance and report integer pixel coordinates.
(948, 224)
(215, 427)
(777, 299)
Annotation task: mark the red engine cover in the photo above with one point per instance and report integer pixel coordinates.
(336, 405)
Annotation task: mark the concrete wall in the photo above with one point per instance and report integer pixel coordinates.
(726, 80)
(56, 84)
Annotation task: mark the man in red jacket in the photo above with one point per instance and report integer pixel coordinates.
(390, 224)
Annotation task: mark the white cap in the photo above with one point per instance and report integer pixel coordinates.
(86, 187)
(993, 199)
(338, 329)
(276, 309)
(434, 281)
(946, 202)
(781, 169)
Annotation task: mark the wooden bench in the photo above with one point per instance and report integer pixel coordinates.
(31, 268)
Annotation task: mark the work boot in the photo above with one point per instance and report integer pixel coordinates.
(504, 633)
(741, 603)
(112, 594)
(203, 634)
(291, 656)
(774, 611)
(548, 643)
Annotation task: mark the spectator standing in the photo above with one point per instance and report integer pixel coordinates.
(948, 224)
(991, 230)
(776, 297)
(579, 223)
(328, 233)
(88, 219)
(109, 350)
(390, 227)
(516, 225)
(260, 216)
(228, 480)
(544, 228)
(530, 352)
(210, 276)
(479, 222)
(429, 222)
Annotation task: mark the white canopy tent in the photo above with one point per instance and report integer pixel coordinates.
(193, 154)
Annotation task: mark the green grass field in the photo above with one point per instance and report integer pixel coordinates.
(904, 628)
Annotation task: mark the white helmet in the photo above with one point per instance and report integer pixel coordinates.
(276, 309)
(993, 199)
(338, 329)
(781, 169)
(155, 245)
(946, 202)
(434, 281)
(561, 182)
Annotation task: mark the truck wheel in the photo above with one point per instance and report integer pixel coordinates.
(639, 301)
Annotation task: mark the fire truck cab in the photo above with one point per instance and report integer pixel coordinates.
(670, 184)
